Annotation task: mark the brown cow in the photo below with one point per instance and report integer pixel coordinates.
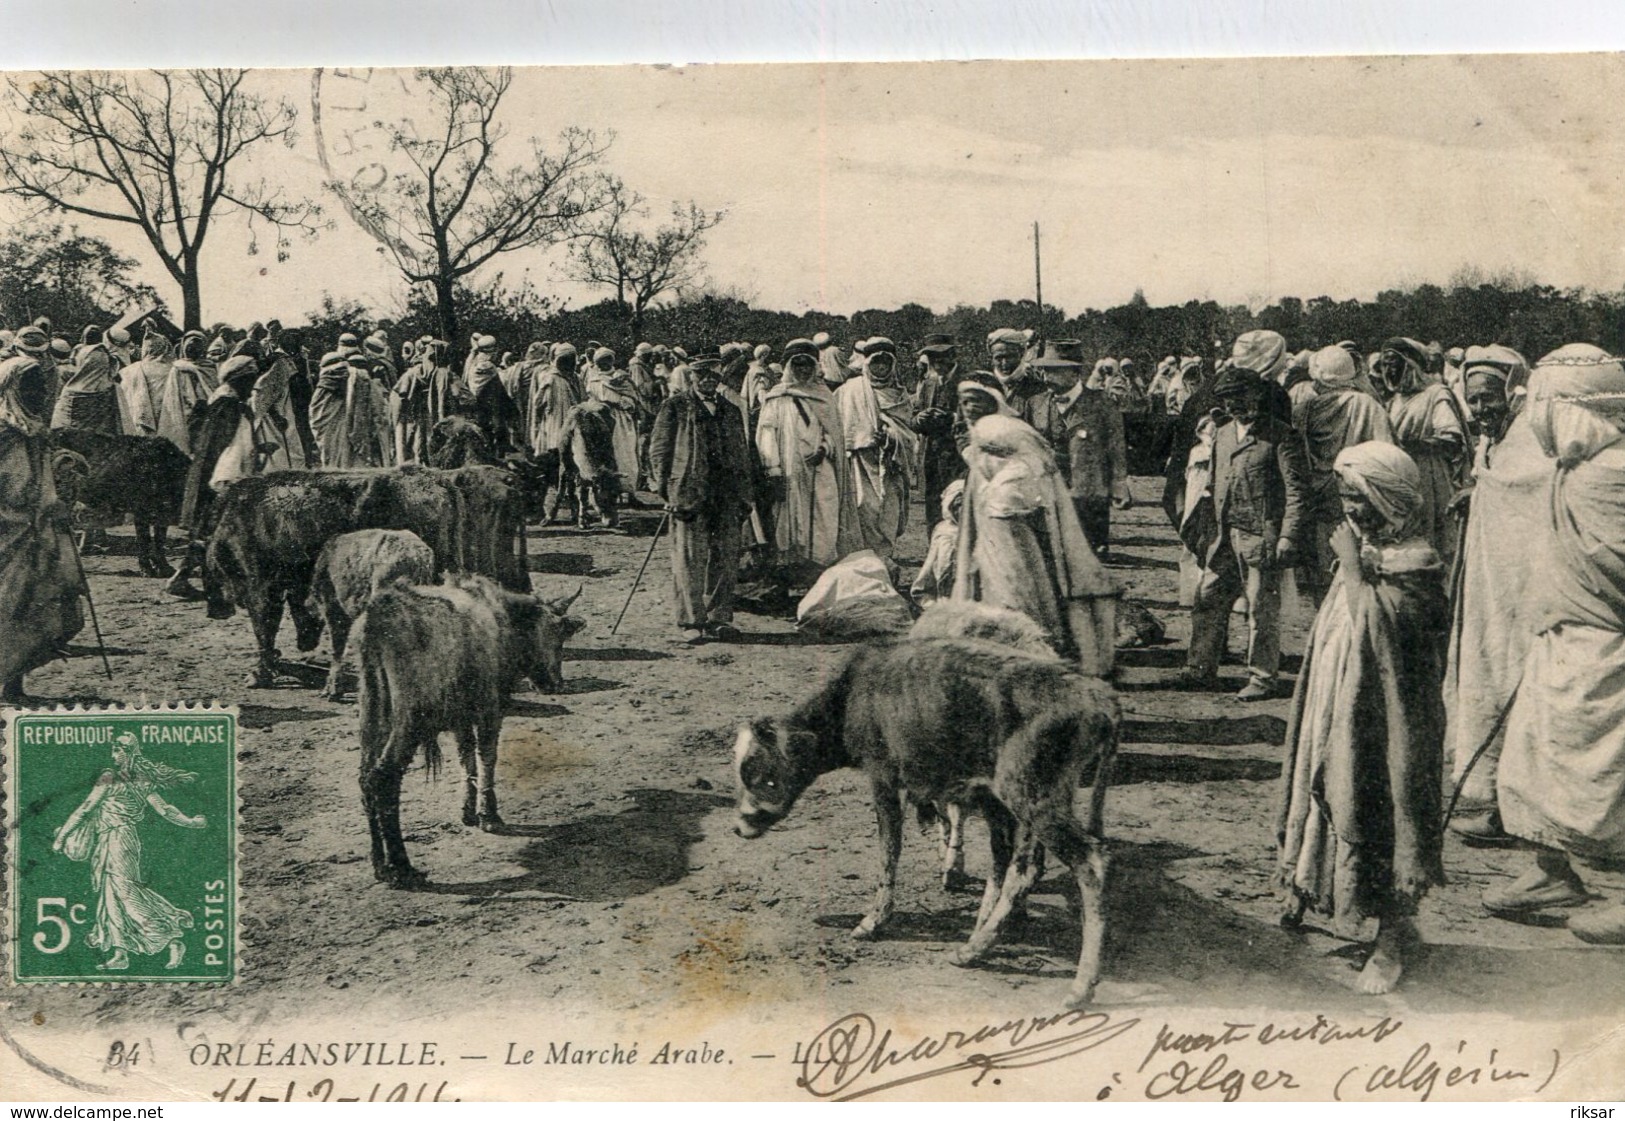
(269, 529)
(952, 720)
(444, 659)
(143, 476)
(354, 567)
(964, 618)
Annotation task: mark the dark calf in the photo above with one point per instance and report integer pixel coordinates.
(955, 722)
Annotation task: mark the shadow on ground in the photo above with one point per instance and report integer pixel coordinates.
(260, 717)
(560, 564)
(612, 654)
(1136, 767)
(1224, 731)
(607, 856)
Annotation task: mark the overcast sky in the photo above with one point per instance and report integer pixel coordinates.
(856, 186)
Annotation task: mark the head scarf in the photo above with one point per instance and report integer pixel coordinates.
(763, 351)
(1414, 355)
(873, 349)
(12, 410)
(1008, 437)
(1332, 367)
(805, 350)
(155, 346)
(1008, 339)
(1577, 402)
(985, 383)
(1262, 352)
(240, 373)
(561, 349)
(1512, 366)
(1388, 478)
(602, 353)
(32, 340)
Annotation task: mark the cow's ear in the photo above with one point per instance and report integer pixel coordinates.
(572, 625)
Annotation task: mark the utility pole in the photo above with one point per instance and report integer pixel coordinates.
(1038, 281)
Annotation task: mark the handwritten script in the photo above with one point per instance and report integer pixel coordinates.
(854, 1057)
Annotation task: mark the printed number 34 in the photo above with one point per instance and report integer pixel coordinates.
(76, 915)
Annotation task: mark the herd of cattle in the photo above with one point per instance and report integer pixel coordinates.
(969, 711)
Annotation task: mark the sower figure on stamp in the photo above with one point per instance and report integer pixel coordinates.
(131, 918)
(1259, 483)
(702, 469)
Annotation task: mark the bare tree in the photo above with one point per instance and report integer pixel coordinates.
(447, 207)
(160, 151)
(640, 266)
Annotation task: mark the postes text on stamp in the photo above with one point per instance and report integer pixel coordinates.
(122, 837)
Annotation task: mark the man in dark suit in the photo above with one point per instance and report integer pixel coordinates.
(936, 403)
(1260, 479)
(1096, 454)
(703, 469)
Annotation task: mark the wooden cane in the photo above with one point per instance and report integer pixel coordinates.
(647, 557)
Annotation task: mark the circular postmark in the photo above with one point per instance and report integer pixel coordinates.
(353, 143)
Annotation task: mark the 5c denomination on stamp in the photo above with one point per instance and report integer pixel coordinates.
(121, 834)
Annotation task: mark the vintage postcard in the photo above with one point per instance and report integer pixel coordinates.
(1008, 581)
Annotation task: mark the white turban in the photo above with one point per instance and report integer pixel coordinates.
(1262, 352)
(1387, 477)
(1333, 367)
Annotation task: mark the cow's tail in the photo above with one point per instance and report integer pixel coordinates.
(373, 703)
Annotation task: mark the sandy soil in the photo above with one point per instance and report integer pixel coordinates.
(621, 887)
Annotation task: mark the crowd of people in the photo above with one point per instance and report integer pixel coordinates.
(1404, 495)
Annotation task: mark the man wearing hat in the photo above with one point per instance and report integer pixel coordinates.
(881, 444)
(33, 342)
(641, 367)
(935, 410)
(1029, 395)
(491, 408)
(831, 366)
(1096, 460)
(759, 378)
(1260, 483)
(377, 348)
(700, 465)
(89, 397)
(118, 344)
(226, 448)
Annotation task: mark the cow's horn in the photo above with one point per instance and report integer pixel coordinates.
(560, 606)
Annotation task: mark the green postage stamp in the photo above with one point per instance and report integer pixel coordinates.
(121, 841)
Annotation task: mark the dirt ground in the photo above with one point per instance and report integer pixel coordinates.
(620, 885)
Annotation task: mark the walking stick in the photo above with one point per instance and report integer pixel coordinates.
(647, 557)
(107, 667)
(1495, 729)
